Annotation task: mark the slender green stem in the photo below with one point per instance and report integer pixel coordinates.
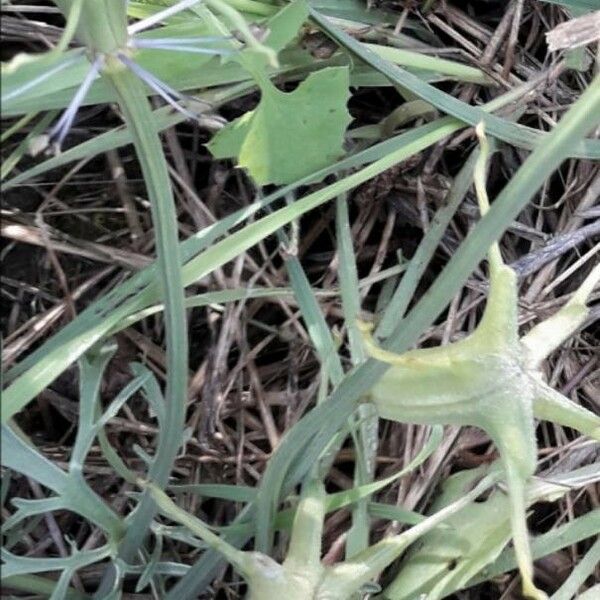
(480, 178)
(367, 430)
(138, 116)
(551, 405)
(520, 535)
(236, 20)
(70, 27)
(38, 585)
(304, 552)
(168, 508)
(102, 24)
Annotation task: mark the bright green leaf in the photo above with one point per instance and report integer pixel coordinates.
(290, 135)
(284, 26)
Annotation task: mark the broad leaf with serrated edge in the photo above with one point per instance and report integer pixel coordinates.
(290, 135)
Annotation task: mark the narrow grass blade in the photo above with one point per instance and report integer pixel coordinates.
(35, 584)
(365, 437)
(521, 136)
(582, 570)
(418, 60)
(561, 537)
(318, 329)
(141, 291)
(404, 293)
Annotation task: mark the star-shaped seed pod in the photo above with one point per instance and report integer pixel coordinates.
(491, 380)
(302, 575)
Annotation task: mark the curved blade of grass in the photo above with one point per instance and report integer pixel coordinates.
(554, 540)
(416, 267)
(224, 491)
(35, 584)
(365, 437)
(316, 325)
(518, 135)
(17, 126)
(138, 117)
(140, 292)
(418, 60)
(391, 512)
(221, 297)
(582, 570)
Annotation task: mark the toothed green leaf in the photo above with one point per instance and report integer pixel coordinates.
(290, 135)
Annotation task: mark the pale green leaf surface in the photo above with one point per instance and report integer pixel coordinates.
(317, 327)
(24, 68)
(290, 135)
(283, 27)
(447, 559)
(570, 533)
(592, 594)
(19, 565)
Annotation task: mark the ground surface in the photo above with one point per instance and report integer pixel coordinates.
(253, 372)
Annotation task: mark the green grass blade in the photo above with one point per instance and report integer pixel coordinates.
(404, 293)
(521, 136)
(35, 584)
(235, 493)
(136, 294)
(582, 570)
(378, 510)
(418, 60)
(580, 528)
(138, 117)
(365, 436)
(317, 327)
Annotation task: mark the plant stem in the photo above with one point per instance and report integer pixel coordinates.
(138, 117)
(102, 24)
